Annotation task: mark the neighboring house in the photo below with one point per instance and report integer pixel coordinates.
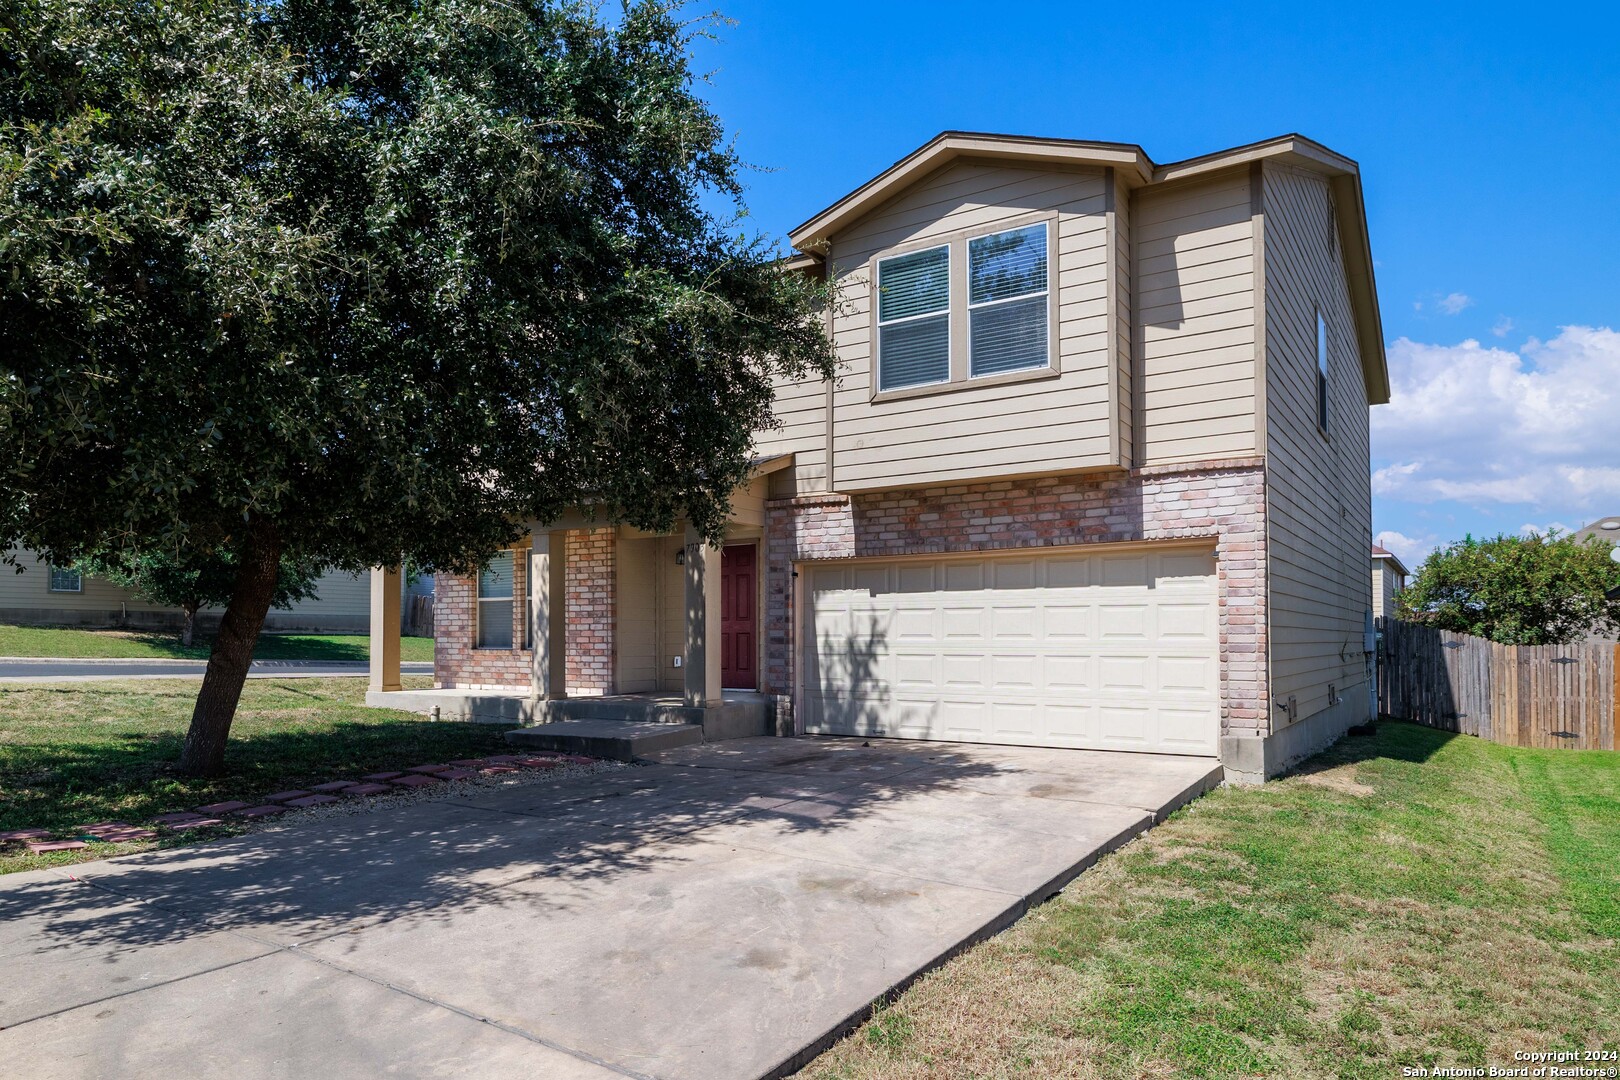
(1606, 529)
(46, 595)
(1094, 474)
(1389, 576)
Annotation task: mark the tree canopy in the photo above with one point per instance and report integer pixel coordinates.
(368, 281)
(1517, 590)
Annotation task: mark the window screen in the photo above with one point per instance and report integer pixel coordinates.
(913, 302)
(1008, 289)
(495, 603)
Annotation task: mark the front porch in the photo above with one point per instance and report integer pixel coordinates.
(582, 623)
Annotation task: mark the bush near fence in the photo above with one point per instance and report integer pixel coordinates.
(1563, 696)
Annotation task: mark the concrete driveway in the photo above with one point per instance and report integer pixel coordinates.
(726, 912)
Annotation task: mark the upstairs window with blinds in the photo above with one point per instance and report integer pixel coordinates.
(495, 603)
(914, 319)
(1008, 292)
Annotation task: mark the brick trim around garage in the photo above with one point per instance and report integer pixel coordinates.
(1222, 502)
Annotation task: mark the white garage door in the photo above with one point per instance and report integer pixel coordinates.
(1115, 650)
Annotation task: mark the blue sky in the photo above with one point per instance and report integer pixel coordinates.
(1489, 144)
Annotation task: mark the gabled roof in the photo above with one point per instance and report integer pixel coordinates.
(1382, 553)
(1132, 163)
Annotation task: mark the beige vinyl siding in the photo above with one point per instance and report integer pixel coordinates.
(748, 502)
(343, 602)
(1386, 583)
(1123, 323)
(1193, 304)
(973, 431)
(635, 626)
(1318, 492)
(29, 591)
(801, 407)
(671, 593)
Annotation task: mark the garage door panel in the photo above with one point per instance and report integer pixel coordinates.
(1014, 672)
(1123, 571)
(916, 670)
(1012, 574)
(1068, 649)
(1187, 675)
(1014, 721)
(1014, 622)
(964, 576)
(1068, 573)
(1125, 725)
(918, 578)
(1183, 728)
(1131, 674)
(1124, 622)
(1070, 622)
(916, 623)
(1185, 622)
(1067, 675)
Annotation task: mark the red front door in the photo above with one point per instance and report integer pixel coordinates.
(738, 603)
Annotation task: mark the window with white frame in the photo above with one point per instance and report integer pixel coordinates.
(914, 318)
(1321, 372)
(65, 580)
(495, 603)
(1007, 301)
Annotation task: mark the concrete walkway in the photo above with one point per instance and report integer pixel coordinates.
(726, 912)
(68, 669)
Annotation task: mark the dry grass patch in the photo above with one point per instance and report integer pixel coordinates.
(1410, 900)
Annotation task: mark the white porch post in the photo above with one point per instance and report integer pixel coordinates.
(548, 561)
(702, 621)
(384, 661)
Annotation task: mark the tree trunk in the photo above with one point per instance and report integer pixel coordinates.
(232, 654)
(188, 615)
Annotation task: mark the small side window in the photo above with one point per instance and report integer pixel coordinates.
(65, 580)
(1321, 372)
(495, 603)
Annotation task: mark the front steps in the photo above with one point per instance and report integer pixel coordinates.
(616, 740)
(626, 727)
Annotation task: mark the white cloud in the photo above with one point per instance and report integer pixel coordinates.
(1454, 303)
(1411, 550)
(1502, 327)
(1537, 427)
(1532, 529)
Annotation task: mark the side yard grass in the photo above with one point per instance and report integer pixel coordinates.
(74, 642)
(1412, 899)
(78, 753)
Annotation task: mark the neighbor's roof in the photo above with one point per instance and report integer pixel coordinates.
(1132, 163)
(1384, 553)
(1604, 528)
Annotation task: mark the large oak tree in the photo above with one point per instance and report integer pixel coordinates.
(359, 282)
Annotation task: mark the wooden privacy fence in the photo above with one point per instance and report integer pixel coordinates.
(1519, 695)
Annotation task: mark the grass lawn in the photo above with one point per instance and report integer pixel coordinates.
(1415, 899)
(150, 644)
(76, 753)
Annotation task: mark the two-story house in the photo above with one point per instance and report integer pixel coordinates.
(1094, 474)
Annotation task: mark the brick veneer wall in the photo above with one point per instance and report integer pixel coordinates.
(589, 585)
(588, 622)
(1220, 501)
